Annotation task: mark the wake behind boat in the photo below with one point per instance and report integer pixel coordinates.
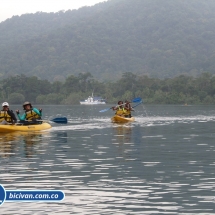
(91, 100)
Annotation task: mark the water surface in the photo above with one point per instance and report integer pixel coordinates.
(163, 163)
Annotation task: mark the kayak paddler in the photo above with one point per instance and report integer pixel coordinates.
(31, 114)
(120, 110)
(128, 109)
(6, 115)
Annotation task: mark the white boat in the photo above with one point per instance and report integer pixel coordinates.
(91, 100)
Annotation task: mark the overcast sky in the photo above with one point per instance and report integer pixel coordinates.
(9, 8)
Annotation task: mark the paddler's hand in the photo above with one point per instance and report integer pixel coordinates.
(17, 111)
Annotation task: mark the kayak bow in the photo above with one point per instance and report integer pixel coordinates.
(121, 119)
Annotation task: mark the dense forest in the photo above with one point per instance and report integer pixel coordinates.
(179, 90)
(154, 39)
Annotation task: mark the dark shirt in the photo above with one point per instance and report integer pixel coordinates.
(128, 106)
(13, 117)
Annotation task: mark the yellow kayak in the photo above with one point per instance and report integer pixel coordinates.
(17, 127)
(121, 119)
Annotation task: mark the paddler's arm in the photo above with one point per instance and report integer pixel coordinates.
(13, 117)
(39, 112)
(20, 117)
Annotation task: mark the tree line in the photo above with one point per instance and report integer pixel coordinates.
(182, 89)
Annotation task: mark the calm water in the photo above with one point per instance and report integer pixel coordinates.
(161, 164)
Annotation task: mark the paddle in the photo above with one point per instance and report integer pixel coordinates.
(138, 99)
(137, 104)
(61, 120)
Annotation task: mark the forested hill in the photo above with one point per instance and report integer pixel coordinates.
(28, 26)
(153, 37)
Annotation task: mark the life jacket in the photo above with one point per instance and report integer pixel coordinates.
(5, 116)
(30, 115)
(120, 111)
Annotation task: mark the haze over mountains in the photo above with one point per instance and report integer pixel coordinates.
(153, 37)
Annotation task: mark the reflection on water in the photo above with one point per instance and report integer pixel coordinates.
(30, 141)
(7, 145)
(12, 142)
(161, 164)
(122, 137)
(123, 133)
(62, 136)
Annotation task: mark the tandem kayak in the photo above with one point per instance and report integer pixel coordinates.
(121, 119)
(20, 127)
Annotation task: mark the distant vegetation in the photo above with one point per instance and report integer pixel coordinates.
(179, 90)
(149, 38)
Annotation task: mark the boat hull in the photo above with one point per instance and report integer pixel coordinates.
(120, 119)
(92, 103)
(91, 100)
(13, 128)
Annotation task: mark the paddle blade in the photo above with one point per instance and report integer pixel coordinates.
(104, 110)
(138, 99)
(62, 120)
(137, 104)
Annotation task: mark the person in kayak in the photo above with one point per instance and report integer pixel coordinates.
(128, 109)
(31, 114)
(6, 115)
(120, 110)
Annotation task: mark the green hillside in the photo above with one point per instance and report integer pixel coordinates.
(156, 38)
